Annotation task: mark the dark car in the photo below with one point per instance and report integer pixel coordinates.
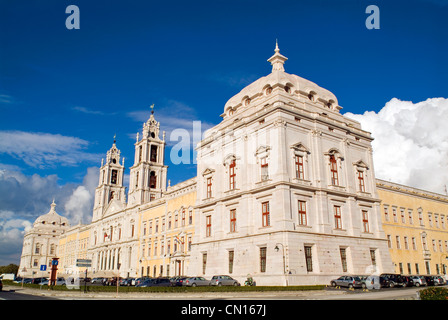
(1, 285)
(430, 280)
(407, 281)
(390, 280)
(178, 281)
(157, 282)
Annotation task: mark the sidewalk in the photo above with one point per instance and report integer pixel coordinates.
(80, 295)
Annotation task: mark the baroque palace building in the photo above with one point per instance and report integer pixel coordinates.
(285, 192)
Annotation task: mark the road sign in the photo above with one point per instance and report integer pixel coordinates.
(43, 267)
(85, 263)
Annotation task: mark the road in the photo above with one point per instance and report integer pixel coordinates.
(13, 295)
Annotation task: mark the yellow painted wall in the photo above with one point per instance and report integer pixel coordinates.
(151, 240)
(413, 200)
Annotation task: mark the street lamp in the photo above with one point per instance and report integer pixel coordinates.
(284, 264)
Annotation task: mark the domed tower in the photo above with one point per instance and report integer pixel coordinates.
(286, 188)
(148, 174)
(110, 186)
(40, 244)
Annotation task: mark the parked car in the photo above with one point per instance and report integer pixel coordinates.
(196, 281)
(223, 281)
(430, 281)
(347, 281)
(407, 281)
(127, 282)
(156, 282)
(439, 280)
(178, 281)
(39, 280)
(419, 281)
(59, 282)
(390, 280)
(1, 285)
(98, 280)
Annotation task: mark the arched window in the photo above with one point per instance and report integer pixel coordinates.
(334, 170)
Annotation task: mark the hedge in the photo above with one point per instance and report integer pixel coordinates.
(434, 293)
(125, 289)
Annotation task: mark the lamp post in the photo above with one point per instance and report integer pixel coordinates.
(284, 264)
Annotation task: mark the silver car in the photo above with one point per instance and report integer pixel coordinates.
(418, 280)
(196, 282)
(223, 281)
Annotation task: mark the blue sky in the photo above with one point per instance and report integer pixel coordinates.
(64, 94)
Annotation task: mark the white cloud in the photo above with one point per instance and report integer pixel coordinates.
(23, 198)
(45, 150)
(411, 142)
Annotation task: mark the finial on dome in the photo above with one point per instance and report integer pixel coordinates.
(53, 205)
(277, 60)
(152, 108)
(115, 138)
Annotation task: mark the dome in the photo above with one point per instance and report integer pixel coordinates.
(279, 78)
(51, 219)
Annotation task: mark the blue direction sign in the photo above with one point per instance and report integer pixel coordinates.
(43, 267)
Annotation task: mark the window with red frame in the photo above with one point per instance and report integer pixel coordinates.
(334, 171)
(337, 217)
(302, 213)
(208, 226)
(233, 220)
(365, 220)
(362, 187)
(209, 187)
(232, 175)
(265, 214)
(299, 168)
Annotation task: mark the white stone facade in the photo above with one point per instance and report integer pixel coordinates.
(283, 144)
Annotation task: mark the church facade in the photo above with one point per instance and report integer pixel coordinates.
(285, 192)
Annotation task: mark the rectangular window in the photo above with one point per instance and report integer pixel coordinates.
(299, 168)
(183, 217)
(263, 259)
(411, 221)
(337, 217)
(365, 221)
(190, 217)
(265, 214)
(343, 259)
(208, 226)
(403, 219)
(231, 256)
(373, 256)
(389, 241)
(302, 213)
(334, 171)
(308, 258)
(386, 213)
(397, 239)
(264, 169)
(233, 220)
(361, 184)
(209, 188)
(232, 175)
(204, 262)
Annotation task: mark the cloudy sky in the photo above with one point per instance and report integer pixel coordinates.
(64, 94)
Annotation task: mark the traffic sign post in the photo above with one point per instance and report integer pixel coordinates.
(84, 263)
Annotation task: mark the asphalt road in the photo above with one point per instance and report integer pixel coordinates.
(13, 295)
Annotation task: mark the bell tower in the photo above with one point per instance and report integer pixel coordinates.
(110, 186)
(148, 174)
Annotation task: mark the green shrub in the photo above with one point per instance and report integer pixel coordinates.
(434, 293)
